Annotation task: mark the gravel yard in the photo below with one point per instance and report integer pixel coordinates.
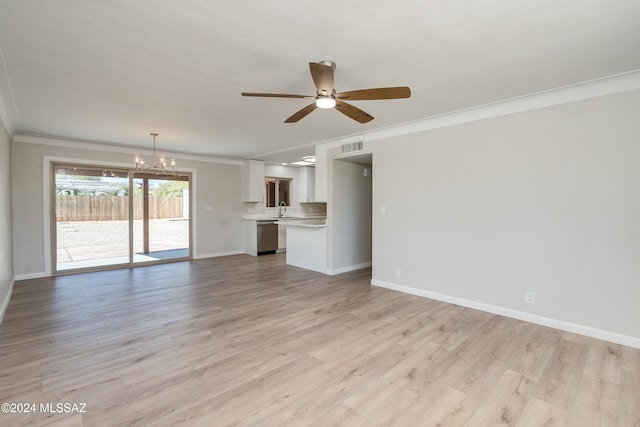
(87, 240)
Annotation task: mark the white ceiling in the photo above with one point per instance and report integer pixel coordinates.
(115, 70)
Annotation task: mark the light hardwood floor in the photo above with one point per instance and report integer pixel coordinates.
(250, 341)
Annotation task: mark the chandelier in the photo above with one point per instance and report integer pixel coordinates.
(159, 165)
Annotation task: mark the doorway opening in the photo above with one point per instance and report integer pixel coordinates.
(352, 213)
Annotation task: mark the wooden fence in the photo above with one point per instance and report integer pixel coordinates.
(113, 208)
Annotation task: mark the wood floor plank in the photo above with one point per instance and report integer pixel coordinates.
(539, 413)
(561, 378)
(23, 379)
(628, 409)
(536, 349)
(245, 341)
(631, 359)
(505, 403)
(605, 361)
(450, 407)
(596, 402)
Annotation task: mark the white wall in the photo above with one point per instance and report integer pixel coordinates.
(546, 200)
(321, 174)
(217, 193)
(6, 238)
(350, 219)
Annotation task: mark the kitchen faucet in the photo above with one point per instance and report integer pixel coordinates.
(283, 203)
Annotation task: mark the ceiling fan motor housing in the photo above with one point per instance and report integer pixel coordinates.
(328, 64)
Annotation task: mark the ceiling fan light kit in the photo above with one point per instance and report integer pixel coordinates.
(325, 102)
(327, 98)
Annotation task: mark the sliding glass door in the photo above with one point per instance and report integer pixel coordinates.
(161, 226)
(113, 217)
(91, 217)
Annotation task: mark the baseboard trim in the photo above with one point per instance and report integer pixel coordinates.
(349, 268)
(5, 303)
(515, 314)
(32, 276)
(218, 254)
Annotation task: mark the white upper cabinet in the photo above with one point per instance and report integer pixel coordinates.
(253, 183)
(306, 184)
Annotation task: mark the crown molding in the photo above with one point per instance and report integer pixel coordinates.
(571, 93)
(618, 83)
(114, 148)
(8, 109)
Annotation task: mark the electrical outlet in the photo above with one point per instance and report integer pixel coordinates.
(383, 209)
(398, 272)
(531, 297)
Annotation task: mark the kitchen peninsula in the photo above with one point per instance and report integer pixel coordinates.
(304, 248)
(307, 245)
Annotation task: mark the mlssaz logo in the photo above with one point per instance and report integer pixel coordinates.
(63, 408)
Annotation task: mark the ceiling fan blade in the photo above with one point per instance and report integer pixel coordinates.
(302, 113)
(353, 112)
(275, 95)
(323, 77)
(379, 93)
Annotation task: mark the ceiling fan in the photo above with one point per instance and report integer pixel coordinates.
(326, 96)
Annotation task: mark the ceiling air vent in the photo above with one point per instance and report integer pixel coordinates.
(351, 147)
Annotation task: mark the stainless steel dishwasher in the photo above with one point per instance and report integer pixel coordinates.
(267, 237)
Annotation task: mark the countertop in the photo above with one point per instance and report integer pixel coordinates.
(302, 224)
(262, 217)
